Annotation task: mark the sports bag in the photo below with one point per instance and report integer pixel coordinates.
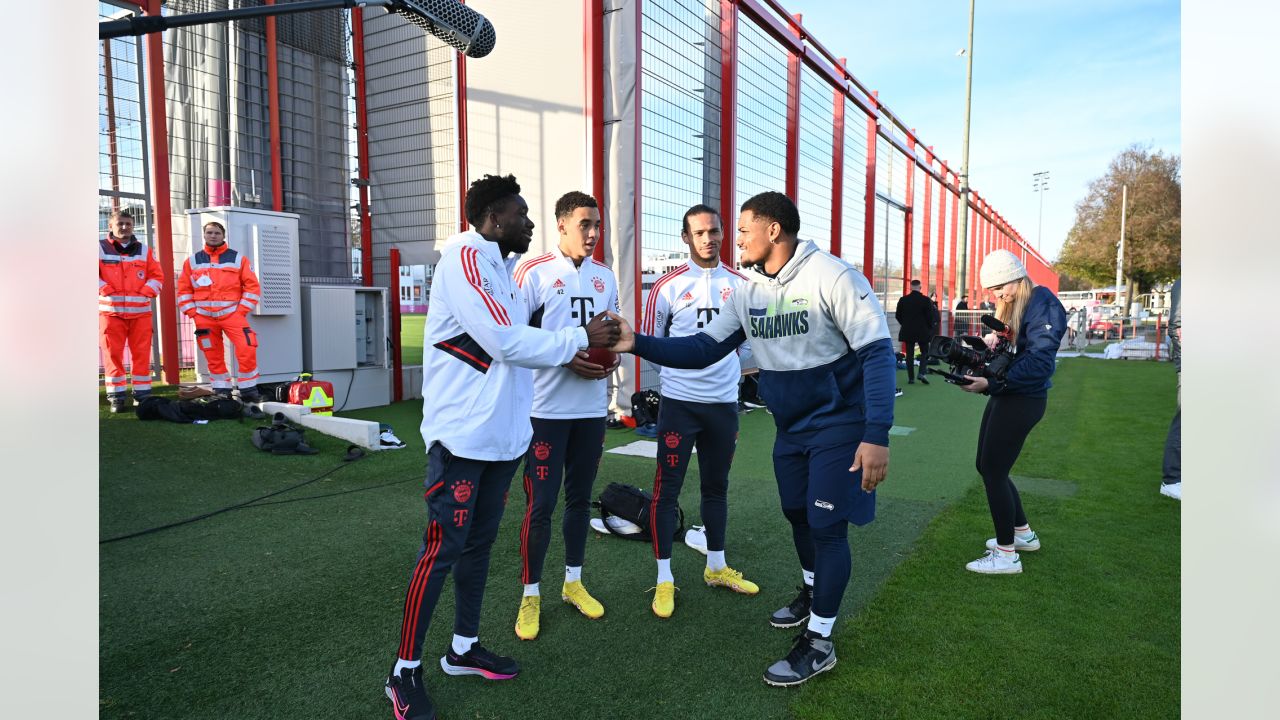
(632, 504)
(282, 438)
(644, 406)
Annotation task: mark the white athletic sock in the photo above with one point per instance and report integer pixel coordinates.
(533, 590)
(664, 571)
(821, 625)
(402, 664)
(572, 574)
(463, 644)
(1023, 533)
(808, 577)
(715, 560)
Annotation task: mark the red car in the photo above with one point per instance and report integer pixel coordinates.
(1104, 329)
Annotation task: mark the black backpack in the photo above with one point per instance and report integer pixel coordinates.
(632, 504)
(644, 406)
(210, 407)
(282, 438)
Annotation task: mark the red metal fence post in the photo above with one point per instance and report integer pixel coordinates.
(163, 213)
(273, 113)
(909, 219)
(397, 357)
(926, 225)
(869, 221)
(837, 172)
(593, 45)
(793, 124)
(728, 125)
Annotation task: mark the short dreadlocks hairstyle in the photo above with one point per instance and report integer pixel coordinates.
(571, 201)
(776, 207)
(486, 194)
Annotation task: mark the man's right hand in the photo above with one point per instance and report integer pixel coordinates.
(603, 331)
(584, 368)
(627, 337)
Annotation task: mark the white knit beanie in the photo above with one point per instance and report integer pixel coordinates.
(1001, 267)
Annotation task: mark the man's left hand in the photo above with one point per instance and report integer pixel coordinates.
(979, 385)
(874, 462)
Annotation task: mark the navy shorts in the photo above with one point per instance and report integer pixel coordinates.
(814, 474)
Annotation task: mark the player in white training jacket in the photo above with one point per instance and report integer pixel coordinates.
(699, 407)
(477, 392)
(564, 288)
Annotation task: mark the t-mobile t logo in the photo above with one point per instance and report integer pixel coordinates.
(706, 315)
(583, 308)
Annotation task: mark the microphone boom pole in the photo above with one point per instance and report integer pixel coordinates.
(466, 30)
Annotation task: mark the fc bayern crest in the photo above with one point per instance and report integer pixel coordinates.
(672, 439)
(542, 450)
(725, 293)
(598, 283)
(462, 490)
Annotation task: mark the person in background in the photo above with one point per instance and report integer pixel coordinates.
(217, 289)
(128, 277)
(915, 326)
(1036, 321)
(1171, 483)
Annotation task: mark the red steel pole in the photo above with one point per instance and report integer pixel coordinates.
(362, 151)
(837, 173)
(793, 124)
(955, 229)
(925, 245)
(593, 48)
(273, 114)
(869, 221)
(163, 213)
(397, 358)
(909, 219)
(728, 124)
(107, 74)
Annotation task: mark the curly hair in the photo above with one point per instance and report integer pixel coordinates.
(776, 207)
(486, 193)
(571, 201)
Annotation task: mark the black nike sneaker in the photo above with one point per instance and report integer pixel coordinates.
(811, 655)
(479, 661)
(408, 697)
(796, 612)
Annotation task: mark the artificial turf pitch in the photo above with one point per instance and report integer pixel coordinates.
(292, 609)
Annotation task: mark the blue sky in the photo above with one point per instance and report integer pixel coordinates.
(1058, 85)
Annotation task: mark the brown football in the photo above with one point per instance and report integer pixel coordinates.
(603, 357)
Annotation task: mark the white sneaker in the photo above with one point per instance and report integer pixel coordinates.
(1173, 490)
(696, 538)
(1019, 544)
(996, 562)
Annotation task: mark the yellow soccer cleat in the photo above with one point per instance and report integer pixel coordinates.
(528, 618)
(730, 578)
(576, 595)
(664, 600)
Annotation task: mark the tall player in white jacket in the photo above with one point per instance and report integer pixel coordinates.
(477, 392)
(564, 288)
(699, 407)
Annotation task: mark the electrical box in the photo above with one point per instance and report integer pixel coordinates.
(270, 240)
(345, 340)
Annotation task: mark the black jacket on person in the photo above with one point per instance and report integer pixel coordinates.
(1043, 324)
(915, 317)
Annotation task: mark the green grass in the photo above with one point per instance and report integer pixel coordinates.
(292, 609)
(412, 327)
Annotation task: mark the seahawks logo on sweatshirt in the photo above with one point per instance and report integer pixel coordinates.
(767, 324)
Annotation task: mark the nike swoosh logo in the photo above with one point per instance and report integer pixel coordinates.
(401, 709)
(863, 296)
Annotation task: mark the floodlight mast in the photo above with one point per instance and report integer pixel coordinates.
(466, 30)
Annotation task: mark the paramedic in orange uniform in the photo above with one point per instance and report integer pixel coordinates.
(217, 289)
(128, 277)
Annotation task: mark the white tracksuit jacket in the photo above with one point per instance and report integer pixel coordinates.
(477, 388)
(682, 303)
(560, 295)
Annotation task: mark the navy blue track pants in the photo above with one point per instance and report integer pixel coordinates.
(713, 429)
(567, 450)
(465, 499)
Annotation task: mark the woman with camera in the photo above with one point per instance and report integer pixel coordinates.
(1036, 322)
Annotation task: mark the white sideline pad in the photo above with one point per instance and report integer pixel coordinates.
(640, 448)
(364, 433)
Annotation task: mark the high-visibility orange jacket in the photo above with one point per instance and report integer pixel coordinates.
(216, 282)
(128, 277)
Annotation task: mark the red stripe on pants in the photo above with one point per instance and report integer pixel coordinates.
(413, 599)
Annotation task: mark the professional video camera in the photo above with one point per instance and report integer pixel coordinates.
(969, 355)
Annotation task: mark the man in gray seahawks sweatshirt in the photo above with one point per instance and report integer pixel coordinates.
(827, 373)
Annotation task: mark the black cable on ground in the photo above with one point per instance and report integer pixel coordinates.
(229, 508)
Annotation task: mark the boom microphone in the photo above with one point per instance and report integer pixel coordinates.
(469, 32)
(464, 29)
(991, 322)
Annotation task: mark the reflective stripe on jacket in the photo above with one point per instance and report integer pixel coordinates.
(127, 278)
(216, 282)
